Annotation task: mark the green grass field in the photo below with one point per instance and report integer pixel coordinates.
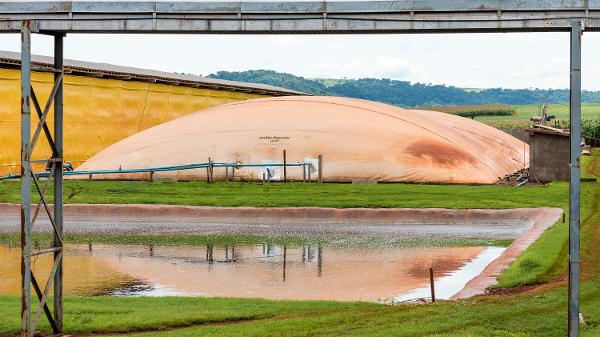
(301, 195)
(529, 315)
(472, 111)
(538, 313)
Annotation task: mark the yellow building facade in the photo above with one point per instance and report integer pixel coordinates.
(99, 111)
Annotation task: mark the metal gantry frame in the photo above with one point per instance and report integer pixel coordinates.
(30, 322)
(575, 177)
(58, 26)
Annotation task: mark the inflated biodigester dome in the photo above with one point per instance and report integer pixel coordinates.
(359, 140)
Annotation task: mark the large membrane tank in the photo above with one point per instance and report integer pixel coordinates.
(359, 140)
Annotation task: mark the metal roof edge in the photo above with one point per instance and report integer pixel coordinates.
(105, 70)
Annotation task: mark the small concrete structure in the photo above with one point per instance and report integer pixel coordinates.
(519, 133)
(548, 154)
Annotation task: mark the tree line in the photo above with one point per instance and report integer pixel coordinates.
(403, 93)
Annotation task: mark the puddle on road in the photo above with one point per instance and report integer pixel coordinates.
(266, 271)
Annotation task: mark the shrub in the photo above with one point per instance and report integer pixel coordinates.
(590, 129)
(509, 124)
(473, 111)
(528, 264)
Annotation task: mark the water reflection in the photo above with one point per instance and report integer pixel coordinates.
(312, 272)
(448, 285)
(83, 273)
(284, 272)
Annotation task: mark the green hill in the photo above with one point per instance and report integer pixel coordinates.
(403, 93)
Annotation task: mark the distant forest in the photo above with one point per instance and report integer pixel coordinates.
(403, 93)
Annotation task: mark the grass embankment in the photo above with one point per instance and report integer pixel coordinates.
(525, 315)
(301, 195)
(541, 313)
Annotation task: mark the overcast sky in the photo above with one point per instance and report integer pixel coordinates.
(534, 60)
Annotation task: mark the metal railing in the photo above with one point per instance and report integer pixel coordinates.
(306, 168)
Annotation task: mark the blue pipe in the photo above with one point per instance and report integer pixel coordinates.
(153, 169)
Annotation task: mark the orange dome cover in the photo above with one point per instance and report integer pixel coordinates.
(359, 140)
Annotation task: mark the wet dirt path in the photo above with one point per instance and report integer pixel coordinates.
(404, 222)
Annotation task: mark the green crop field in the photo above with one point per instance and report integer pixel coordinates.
(473, 111)
(520, 117)
(522, 113)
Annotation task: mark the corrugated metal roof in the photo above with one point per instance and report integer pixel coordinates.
(564, 133)
(82, 68)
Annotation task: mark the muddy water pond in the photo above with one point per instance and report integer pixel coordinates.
(276, 272)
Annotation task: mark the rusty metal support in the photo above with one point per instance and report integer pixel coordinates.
(43, 115)
(58, 180)
(575, 178)
(300, 17)
(55, 165)
(39, 293)
(26, 179)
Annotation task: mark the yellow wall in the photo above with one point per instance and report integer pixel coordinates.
(84, 273)
(98, 112)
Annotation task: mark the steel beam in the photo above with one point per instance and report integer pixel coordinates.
(26, 179)
(58, 179)
(575, 178)
(29, 323)
(44, 114)
(300, 17)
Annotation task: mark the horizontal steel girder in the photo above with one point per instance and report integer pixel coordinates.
(311, 17)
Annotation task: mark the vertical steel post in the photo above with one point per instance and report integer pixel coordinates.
(303, 172)
(320, 261)
(284, 260)
(26, 179)
(320, 169)
(58, 180)
(432, 285)
(575, 179)
(284, 166)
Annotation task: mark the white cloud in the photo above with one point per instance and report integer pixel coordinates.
(551, 72)
(474, 60)
(382, 67)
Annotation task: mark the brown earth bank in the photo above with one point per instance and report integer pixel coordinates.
(490, 274)
(292, 215)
